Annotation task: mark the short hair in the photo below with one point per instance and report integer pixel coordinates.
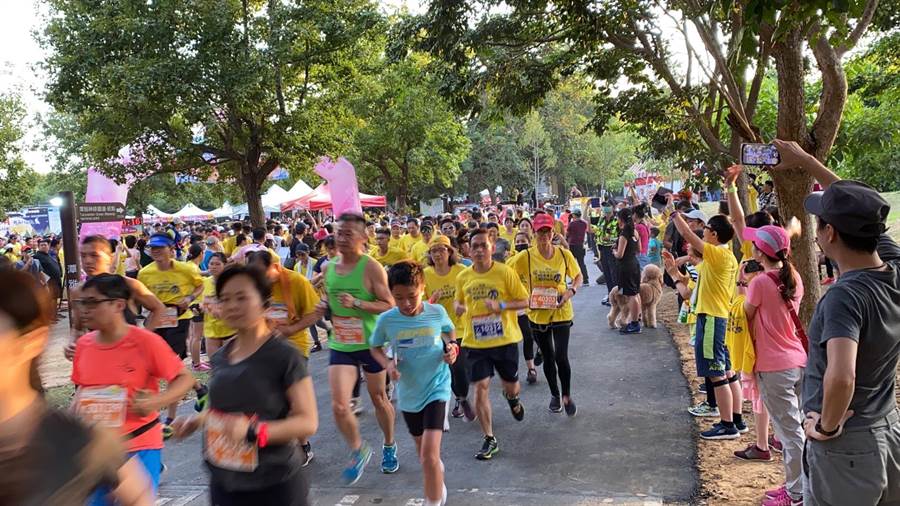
(352, 218)
(111, 286)
(257, 275)
(194, 251)
(262, 256)
(853, 242)
(259, 234)
(722, 227)
(492, 225)
(412, 220)
(406, 273)
(130, 241)
(237, 226)
(769, 183)
(221, 256)
(759, 219)
(654, 231)
(479, 231)
(383, 231)
(99, 240)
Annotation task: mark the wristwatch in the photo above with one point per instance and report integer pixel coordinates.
(357, 303)
(824, 432)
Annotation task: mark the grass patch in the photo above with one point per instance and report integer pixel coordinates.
(61, 397)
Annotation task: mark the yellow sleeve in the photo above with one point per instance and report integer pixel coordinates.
(196, 277)
(305, 297)
(572, 268)
(715, 255)
(516, 289)
(460, 282)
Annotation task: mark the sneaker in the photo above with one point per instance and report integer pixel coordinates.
(704, 410)
(167, 430)
(468, 412)
(358, 461)
(775, 445)
(782, 500)
(719, 431)
(201, 367)
(753, 452)
(316, 347)
(389, 462)
(518, 414)
(489, 448)
(457, 410)
(605, 301)
(586, 283)
(741, 427)
(538, 358)
(531, 377)
(778, 492)
(202, 398)
(570, 408)
(555, 405)
(307, 448)
(702, 388)
(631, 328)
(356, 406)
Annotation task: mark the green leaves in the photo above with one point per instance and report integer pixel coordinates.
(16, 178)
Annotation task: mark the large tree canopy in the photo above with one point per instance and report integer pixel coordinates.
(242, 85)
(16, 178)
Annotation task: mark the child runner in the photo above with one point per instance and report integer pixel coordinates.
(423, 340)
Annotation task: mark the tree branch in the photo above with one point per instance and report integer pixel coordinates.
(833, 97)
(861, 26)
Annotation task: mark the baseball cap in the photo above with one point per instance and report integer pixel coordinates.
(769, 239)
(301, 247)
(439, 240)
(543, 221)
(696, 214)
(851, 207)
(577, 212)
(320, 234)
(161, 240)
(299, 227)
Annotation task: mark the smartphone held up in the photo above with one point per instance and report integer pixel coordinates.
(760, 155)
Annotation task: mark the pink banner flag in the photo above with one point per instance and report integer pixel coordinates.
(341, 178)
(103, 189)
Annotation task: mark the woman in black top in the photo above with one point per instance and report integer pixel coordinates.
(629, 270)
(261, 402)
(48, 457)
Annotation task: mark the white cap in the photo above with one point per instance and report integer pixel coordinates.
(696, 214)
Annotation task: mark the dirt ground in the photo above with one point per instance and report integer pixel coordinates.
(723, 477)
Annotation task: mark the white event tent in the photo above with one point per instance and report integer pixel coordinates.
(190, 212)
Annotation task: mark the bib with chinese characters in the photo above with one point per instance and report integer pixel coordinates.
(169, 318)
(543, 298)
(104, 406)
(222, 451)
(348, 330)
(278, 313)
(487, 327)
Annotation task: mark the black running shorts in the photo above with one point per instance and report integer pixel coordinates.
(504, 359)
(430, 418)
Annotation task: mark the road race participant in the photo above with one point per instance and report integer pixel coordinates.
(384, 251)
(532, 359)
(261, 401)
(852, 453)
(215, 330)
(418, 252)
(177, 285)
(422, 338)
(411, 237)
(544, 268)
(489, 294)
(440, 287)
(49, 457)
(357, 292)
(117, 370)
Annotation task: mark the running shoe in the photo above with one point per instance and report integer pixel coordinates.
(570, 408)
(720, 431)
(489, 448)
(775, 445)
(702, 388)
(356, 406)
(741, 427)
(316, 347)
(605, 301)
(457, 410)
(782, 490)
(753, 452)
(704, 410)
(307, 448)
(167, 430)
(782, 500)
(201, 367)
(631, 328)
(555, 405)
(202, 398)
(518, 414)
(358, 461)
(468, 412)
(389, 462)
(531, 377)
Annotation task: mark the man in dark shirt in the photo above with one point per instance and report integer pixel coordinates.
(51, 268)
(852, 422)
(575, 234)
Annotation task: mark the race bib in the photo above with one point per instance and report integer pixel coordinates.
(348, 330)
(104, 406)
(221, 451)
(278, 313)
(169, 318)
(543, 298)
(487, 327)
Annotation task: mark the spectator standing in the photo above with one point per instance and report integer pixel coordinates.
(575, 235)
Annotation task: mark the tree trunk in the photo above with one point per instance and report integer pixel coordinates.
(252, 193)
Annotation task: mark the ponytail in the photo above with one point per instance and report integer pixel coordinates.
(786, 275)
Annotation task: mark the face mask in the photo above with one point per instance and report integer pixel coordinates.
(521, 247)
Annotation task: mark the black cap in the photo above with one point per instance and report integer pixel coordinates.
(851, 207)
(299, 227)
(577, 212)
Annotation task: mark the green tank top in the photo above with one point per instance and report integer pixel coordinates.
(352, 327)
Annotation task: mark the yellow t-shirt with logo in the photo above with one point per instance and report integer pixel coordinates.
(509, 236)
(543, 278)
(173, 285)
(479, 327)
(407, 241)
(717, 271)
(419, 252)
(737, 338)
(304, 297)
(446, 286)
(228, 245)
(392, 256)
(213, 328)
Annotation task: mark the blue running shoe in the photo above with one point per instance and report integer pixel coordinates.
(389, 462)
(358, 461)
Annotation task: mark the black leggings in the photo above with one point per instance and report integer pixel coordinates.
(293, 492)
(527, 338)
(459, 374)
(554, 343)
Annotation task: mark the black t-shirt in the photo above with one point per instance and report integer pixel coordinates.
(864, 306)
(258, 386)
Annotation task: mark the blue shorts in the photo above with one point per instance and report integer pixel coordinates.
(362, 358)
(710, 352)
(152, 461)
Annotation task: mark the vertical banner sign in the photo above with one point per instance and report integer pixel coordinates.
(72, 269)
(103, 189)
(342, 184)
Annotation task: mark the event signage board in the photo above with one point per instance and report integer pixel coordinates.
(100, 212)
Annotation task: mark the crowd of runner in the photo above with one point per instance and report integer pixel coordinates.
(423, 309)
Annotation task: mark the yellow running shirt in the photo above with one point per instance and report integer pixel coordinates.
(173, 285)
(446, 286)
(213, 328)
(304, 298)
(545, 280)
(479, 327)
(392, 256)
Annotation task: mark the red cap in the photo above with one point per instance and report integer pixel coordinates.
(320, 234)
(543, 221)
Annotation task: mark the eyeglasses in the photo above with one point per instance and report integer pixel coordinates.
(91, 303)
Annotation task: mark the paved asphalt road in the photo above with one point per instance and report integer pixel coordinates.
(630, 443)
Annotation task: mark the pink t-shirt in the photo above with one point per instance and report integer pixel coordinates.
(644, 235)
(773, 331)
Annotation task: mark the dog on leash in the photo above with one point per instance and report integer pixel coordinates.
(651, 292)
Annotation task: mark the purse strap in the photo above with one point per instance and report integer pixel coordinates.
(798, 325)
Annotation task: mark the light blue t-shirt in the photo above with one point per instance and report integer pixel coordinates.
(654, 251)
(416, 341)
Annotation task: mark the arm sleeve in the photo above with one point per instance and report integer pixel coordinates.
(843, 315)
(294, 367)
(460, 295)
(516, 288)
(572, 268)
(306, 297)
(756, 288)
(888, 250)
(446, 323)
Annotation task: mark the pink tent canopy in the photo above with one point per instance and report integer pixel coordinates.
(320, 198)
